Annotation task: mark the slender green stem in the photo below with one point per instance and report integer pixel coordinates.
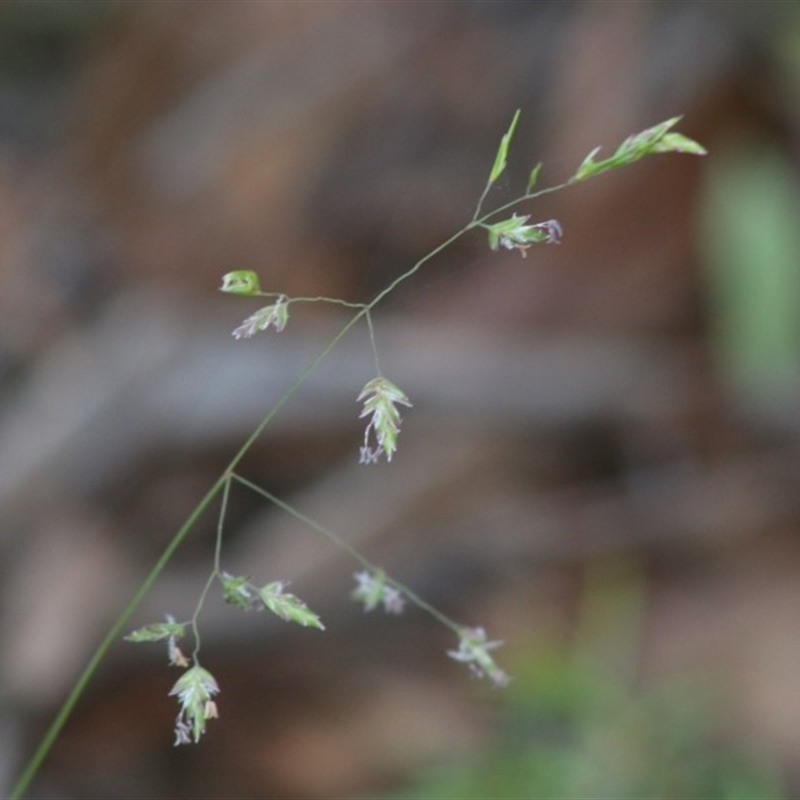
(378, 370)
(424, 260)
(223, 510)
(336, 539)
(485, 192)
(63, 714)
(332, 300)
(50, 736)
(345, 545)
(475, 223)
(522, 199)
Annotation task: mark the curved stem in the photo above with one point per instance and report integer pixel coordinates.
(345, 545)
(332, 300)
(63, 714)
(215, 571)
(50, 736)
(368, 317)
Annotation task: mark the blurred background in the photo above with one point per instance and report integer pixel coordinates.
(601, 465)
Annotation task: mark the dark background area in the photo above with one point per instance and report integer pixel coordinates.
(601, 465)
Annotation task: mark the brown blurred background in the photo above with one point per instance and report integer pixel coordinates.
(601, 465)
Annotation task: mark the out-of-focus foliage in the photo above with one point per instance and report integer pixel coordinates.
(40, 38)
(753, 254)
(573, 725)
(567, 732)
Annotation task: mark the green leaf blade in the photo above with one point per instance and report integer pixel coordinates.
(589, 167)
(533, 177)
(502, 151)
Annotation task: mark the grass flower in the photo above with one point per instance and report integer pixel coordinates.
(195, 690)
(276, 316)
(373, 589)
(380, 397)
(473, 650)
(514, 234)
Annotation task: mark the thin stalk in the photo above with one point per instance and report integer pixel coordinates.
(43, 748)
(223, 510)
(332, 300)
(50, 736)
(345, 545)
(522, 199)
(484, 193)
(378, 370)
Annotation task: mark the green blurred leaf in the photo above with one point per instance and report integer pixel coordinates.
(752, 257)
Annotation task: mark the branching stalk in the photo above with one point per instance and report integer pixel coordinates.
(381, 399)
